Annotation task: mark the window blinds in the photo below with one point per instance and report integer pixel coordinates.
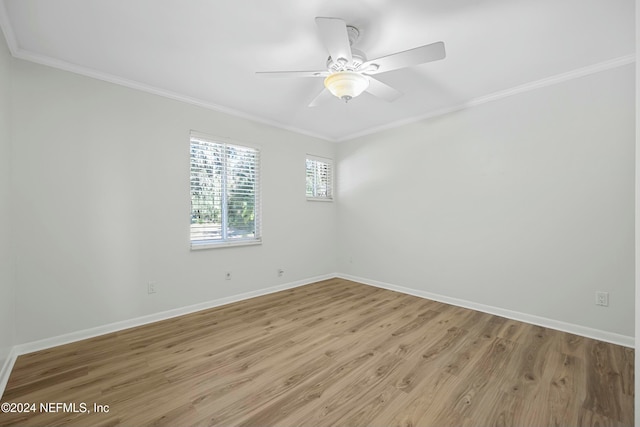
(225, 192)
(319, 178)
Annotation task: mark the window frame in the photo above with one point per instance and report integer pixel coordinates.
(257, 211)
(330, 189)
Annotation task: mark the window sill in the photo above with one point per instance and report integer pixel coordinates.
(218, 245)
(319, 199)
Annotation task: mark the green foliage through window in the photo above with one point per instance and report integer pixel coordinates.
(224, 192)
(319, 178)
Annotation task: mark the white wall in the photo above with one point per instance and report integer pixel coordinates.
(637, 233)
(525, 204)
(7, 313)
(101, 184)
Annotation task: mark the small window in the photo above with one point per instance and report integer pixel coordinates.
(225, 193)
(319, 178)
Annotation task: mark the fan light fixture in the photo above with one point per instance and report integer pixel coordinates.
(349, 72)
(346, 84)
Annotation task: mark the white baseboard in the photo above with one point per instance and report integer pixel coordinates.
(156, 317)
(584, 331)
(46, 343)
(7, 366)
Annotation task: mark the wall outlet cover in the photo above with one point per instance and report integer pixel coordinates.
(602, 298)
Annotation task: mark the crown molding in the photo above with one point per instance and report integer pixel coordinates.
(516, 90)
(20, 53)
(132, 84)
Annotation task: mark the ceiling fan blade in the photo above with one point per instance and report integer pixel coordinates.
(383, 90)
(321, 98)
(292, 73)
(407, 58)
(333, 32)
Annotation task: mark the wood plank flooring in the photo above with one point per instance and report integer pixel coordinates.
(333, 353)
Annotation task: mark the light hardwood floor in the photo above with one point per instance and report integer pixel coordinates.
(333, 353)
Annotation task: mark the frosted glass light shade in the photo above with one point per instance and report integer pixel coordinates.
(346, 84)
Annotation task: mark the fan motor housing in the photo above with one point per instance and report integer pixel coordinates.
(358, 58)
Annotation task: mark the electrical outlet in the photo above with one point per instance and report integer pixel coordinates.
(602, 298)
(227, 275)
(280, 272)
(151, 288)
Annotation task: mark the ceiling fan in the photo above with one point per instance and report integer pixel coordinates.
(349, 73)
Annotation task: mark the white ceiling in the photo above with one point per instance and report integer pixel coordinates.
(207, 51)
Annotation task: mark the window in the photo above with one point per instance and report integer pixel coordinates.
(225, 193)
(319, 178)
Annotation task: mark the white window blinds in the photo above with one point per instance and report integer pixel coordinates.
(319, 178)
(225, 193)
